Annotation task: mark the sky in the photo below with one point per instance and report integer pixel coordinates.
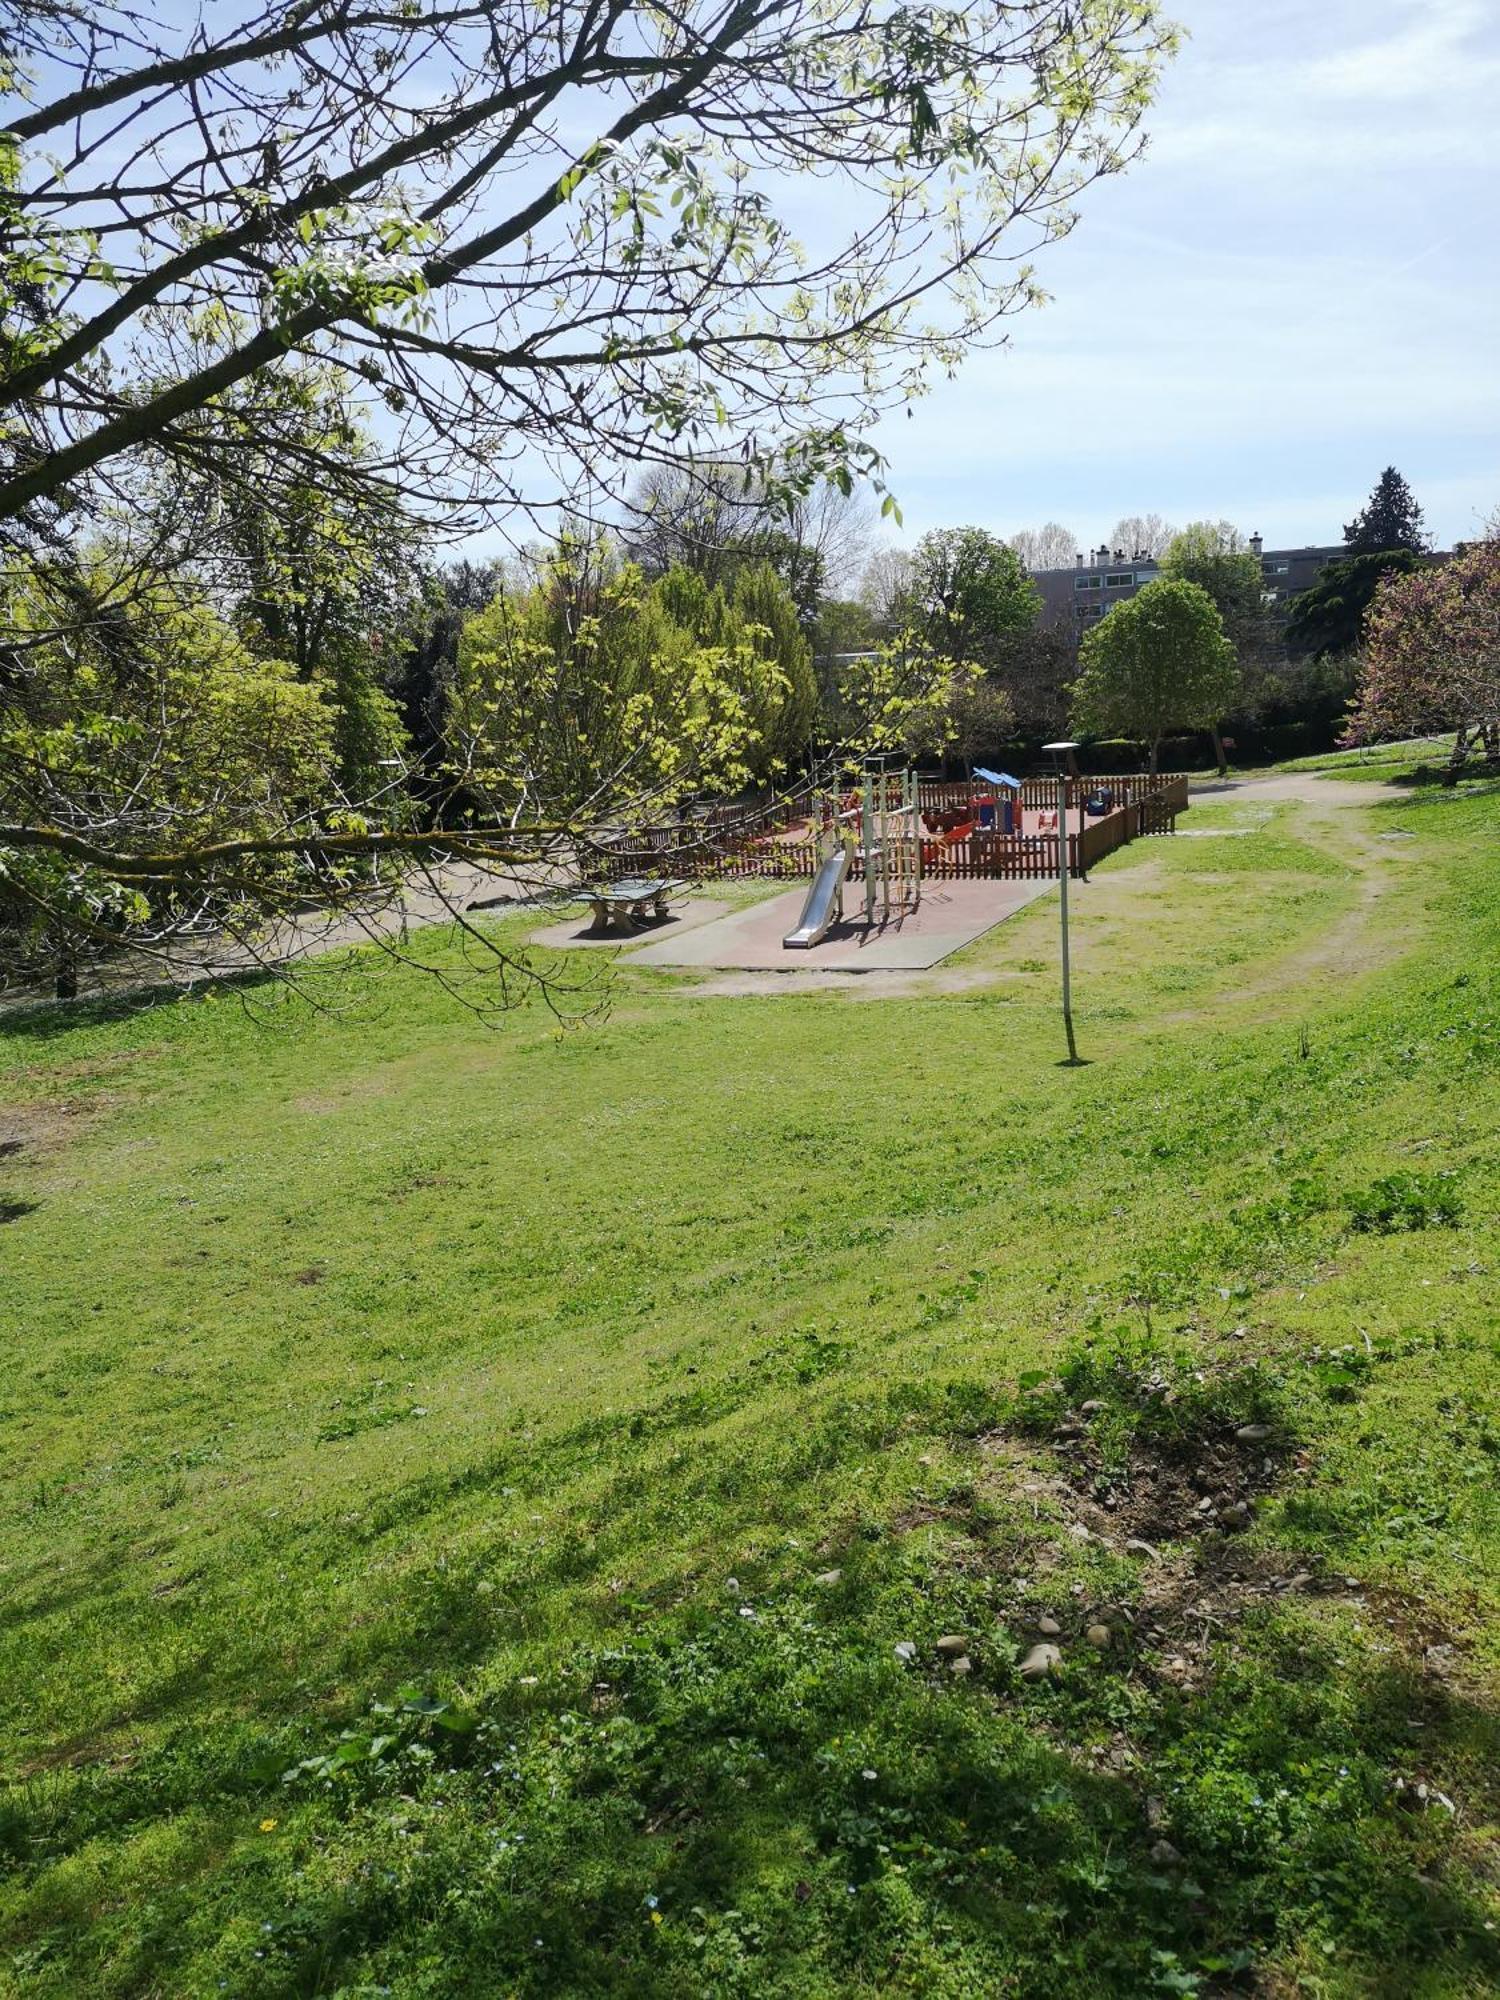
(1296, 287)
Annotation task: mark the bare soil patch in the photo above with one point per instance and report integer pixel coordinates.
(1179, 1509)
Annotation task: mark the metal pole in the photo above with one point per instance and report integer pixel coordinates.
(1062, 884)
(914, 827)
(867, 831)
(885, 844)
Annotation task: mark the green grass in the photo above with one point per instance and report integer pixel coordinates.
(1379, 761)
(424, 1444)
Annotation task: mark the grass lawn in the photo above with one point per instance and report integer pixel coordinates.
(1380, 760)
(481, 1508)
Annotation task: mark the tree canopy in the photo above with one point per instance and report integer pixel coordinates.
(969, 588)
(590, 683)
(1216, 556)
(125, 729)
(1052, 546)
(1159, 661)
(1142, 535)
(1432, 654)
(1389, 519)
(540, 236)
(707, 517)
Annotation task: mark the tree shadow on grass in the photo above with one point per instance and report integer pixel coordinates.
(807, 1814)
(807, 1810)
(1472, 781)
(49, 1020)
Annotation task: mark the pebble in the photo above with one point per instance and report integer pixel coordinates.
(829, 1578)
(1048, 1627)
(952, 1644)
(1304, 1580)
(1255, 1433)
(1040, 1662)
(1136, 1547)
(962, 1665)
(1164, 1854)
(1093, 1406)
(906, 1649)
(1099, 1635)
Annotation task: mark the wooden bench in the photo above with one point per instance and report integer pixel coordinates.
(624, 908)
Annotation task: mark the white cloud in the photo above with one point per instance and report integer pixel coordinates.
(1441, 49)
(1293, 290)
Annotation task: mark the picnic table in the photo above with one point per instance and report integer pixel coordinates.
(624, 907)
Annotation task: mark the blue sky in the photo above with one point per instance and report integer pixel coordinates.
(1296, 287)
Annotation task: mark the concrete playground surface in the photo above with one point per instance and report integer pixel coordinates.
(949, 916)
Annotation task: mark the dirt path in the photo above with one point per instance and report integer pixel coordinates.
(1358, 940)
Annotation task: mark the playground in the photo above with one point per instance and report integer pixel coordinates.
(904, 871)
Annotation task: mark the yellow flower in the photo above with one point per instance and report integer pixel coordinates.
(268, 1826)
(656, 1916)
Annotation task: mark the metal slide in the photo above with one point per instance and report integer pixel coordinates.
(824, 901)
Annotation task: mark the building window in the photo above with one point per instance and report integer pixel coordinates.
(1120, 579)
(1275, 568)
(1085, 583)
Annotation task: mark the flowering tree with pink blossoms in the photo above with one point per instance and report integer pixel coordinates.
(1432, 656)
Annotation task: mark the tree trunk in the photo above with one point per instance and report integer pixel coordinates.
(1220, 760)
(1155, 748)
(1460, 753)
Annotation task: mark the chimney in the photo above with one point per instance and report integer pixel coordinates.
(1079, 558)
(1255, 544)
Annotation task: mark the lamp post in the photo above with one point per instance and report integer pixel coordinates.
(1060, 753)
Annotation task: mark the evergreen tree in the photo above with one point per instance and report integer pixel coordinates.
(1389, 519)
(1327, 619)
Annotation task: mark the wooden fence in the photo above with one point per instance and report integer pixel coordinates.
(1133, 788)
(741, 848)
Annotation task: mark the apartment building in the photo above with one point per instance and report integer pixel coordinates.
(1106, 577)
